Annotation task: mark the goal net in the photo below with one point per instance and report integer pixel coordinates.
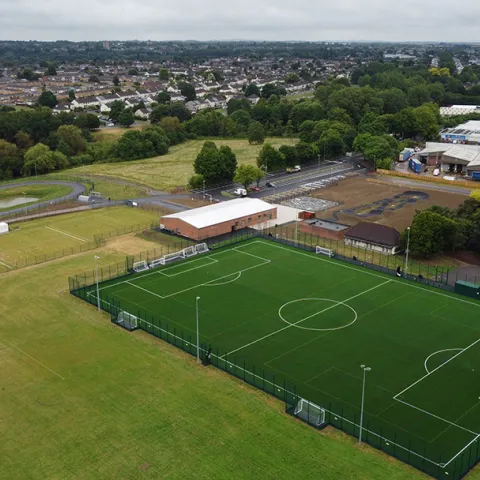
(201, 248)
(140, 266)
(311, 413)
(127, 320)
(324, 251)
(169, 257)
(189, 251)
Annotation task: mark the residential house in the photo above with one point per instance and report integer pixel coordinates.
(373, 236)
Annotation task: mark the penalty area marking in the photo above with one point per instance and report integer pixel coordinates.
(335, 302)
(439, 351)
(213, 284)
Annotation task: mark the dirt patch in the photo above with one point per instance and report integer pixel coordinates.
(130, 244)
(371, 193)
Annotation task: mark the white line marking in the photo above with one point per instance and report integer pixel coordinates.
(439, 351)
(436, 416)
(67, 234)
(306, 318)
(435, 369)
(443, 465)
(211, 284)
(211, 261)
(144, 289)
(6, 265)
(237, 249)
(339, 263)
(31, 358)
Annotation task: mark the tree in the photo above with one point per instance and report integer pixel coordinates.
(308, 110)
(290, 154)
(173, 129)
(270, 159)
(418, 95)
(164, 74)
(126, 118)
(47, 99)
(87, 121)
(134, 145)
(93, 79)
(256, 133)
(215, 165)
(236, 104)
(133, 71)
(178, 109)
(306, 152)
(271, 89)
(116, 80)
(163, 98)
(187, 90)
(71, 95)
(43, 159)
(51, 71)
(10, 160)
(246, 175)
(252, 89)
(242, 120)
(373, 124)
(116, 108)
(71, 141)
(475, 194)
(430, 233)
(393, 99)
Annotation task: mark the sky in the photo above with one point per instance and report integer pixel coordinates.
(311, 20)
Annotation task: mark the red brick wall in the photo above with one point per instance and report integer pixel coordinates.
(187, 230)
(321, 232)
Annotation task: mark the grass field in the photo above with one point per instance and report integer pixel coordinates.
(82, 399)
(112, 133)
(311, 322)
(175, 168)
(42, 192)
(71, 231)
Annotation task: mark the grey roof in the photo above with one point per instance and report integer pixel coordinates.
(374, 233)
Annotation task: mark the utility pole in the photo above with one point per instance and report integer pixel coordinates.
(198, 330)
(405, 269)
(96, 280)
(365, 370)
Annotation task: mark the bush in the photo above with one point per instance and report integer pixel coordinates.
(196, 181)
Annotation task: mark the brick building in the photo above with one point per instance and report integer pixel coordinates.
(323, 228)
(219, 218)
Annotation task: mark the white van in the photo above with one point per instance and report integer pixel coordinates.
(240, 192)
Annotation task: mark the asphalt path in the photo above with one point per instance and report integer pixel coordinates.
(77, 189)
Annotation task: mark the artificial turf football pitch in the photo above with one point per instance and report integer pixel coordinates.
(310, 321)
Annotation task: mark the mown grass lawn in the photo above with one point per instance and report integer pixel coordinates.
(174, 169)
(45, 236)
(83, 399)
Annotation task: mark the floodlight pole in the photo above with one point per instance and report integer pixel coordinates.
(198, 330)
(96, 280)
(407, 251)
(365, 370)
(204, 189)
(296, 231)
(318, 157)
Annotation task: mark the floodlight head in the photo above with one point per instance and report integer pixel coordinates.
(96, 257)
(367, 369)
(198, 298)
(362, 366)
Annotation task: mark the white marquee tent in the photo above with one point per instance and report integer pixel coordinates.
(3, 227)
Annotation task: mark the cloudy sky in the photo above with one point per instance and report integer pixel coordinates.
(391, 20)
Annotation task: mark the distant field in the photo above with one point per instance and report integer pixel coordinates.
(112, 133)
(42, 192)
(71, 231)
(82, 399)
(175, 168)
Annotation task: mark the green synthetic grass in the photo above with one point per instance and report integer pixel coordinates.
(44, 236)
(307, 323)
(83, 399)
(42, 192)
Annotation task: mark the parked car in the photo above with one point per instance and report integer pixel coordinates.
(294, 169)
(255, 189)
(436, 172)
(270, 185)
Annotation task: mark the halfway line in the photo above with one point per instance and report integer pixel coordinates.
(303, 319)
(67, 234)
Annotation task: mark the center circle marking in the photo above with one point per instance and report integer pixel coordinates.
(335, 302)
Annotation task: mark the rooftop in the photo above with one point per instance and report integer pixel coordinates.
(374, 233)
(222, 212)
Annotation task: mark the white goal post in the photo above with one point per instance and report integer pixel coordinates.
(189, 251)
(169, 257)
(324, 251)
(201, 248)
(310, 412)
(140, 266)
(127, 320)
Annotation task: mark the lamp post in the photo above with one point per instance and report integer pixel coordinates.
(198, 330)
(96, 281)
(407, 251)
(318, 158)
(204, 189)
(365, 370)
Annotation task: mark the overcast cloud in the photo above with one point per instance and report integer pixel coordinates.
(390, 20)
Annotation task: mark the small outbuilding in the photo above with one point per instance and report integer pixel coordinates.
(3, 227)
(374, 236)
(219, 218)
